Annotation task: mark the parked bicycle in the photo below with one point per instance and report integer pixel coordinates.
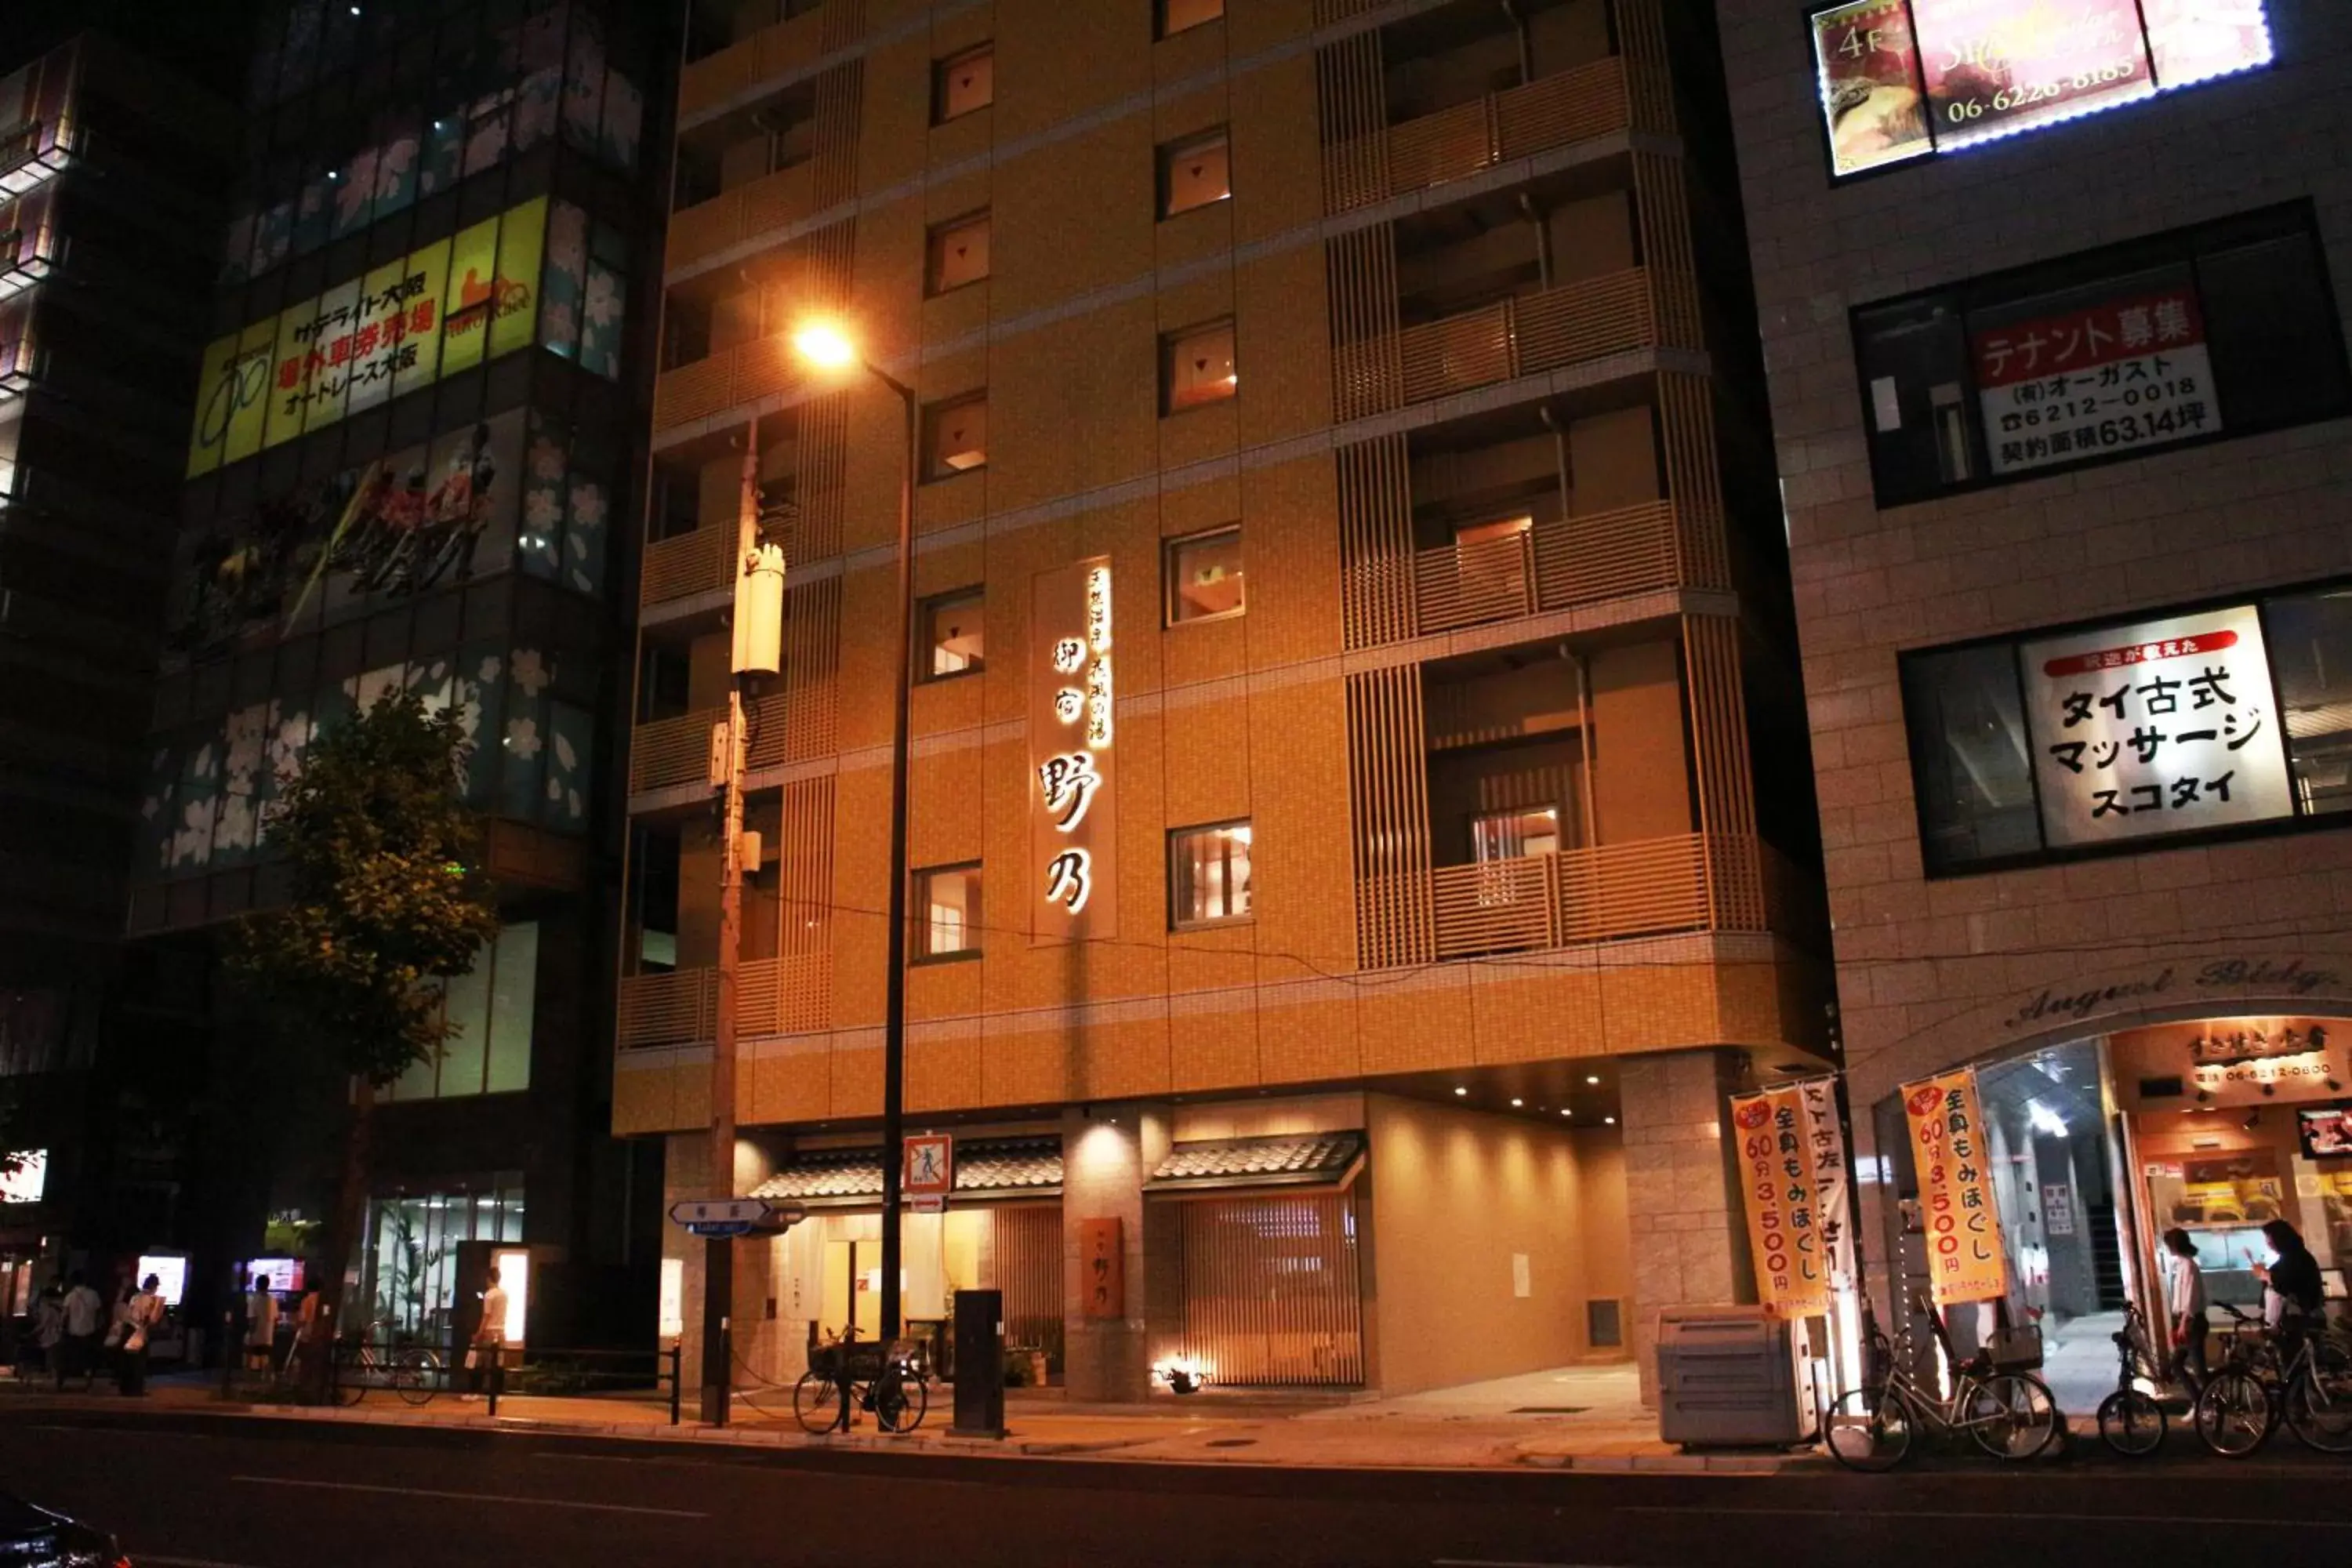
(411, 1372)
(2304, 1381)
(2132, 1419)
(2009, 1414)
(847, 1376)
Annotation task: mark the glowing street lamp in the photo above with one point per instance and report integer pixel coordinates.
(824, 345)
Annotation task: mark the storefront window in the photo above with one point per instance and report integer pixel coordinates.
(2311, 646)
(412, 1258)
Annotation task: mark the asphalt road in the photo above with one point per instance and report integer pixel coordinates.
(200, 1491)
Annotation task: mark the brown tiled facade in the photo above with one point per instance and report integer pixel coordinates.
(1502, 576)
(1937, 970)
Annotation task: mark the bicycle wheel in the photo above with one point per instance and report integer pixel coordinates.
(2131, 1423)
(2233, 1414)
(2011, 1415)
(2319, 1403)
(900, 1400)
(817, 1400)
(1869, 1429)
(416, 1375)
(348, 1382)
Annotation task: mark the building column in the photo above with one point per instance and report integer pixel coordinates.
(685, 1166)
(1687, 1230)
(1108, 1153)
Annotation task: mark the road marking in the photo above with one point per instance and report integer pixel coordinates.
(466, 1497)
(2210, 1520)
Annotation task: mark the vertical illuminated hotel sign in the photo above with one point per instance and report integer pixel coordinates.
(1072, 872)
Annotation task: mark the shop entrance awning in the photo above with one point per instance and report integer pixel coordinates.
(985, 1168)
(1325, 1160)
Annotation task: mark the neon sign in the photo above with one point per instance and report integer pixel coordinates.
(1072, 833)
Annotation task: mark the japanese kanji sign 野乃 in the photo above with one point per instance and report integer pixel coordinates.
(1072, 889)
(2155, 727)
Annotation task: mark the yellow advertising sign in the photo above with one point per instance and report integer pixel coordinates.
(1784, 1224)
(446, 307)
(1957, 1207)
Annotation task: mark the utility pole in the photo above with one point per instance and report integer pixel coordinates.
(758, 646)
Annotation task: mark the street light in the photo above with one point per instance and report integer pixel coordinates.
(828, 347)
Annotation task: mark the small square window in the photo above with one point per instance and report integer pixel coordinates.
(947, 900)
(954, 635)
(1182, 16)
(955, 437)
(1209, 874)
(962, 83)
(1205, 576)
(1194, 172)
(1196, 366)
(958, 253)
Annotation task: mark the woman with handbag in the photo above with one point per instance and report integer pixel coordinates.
(142, 1315)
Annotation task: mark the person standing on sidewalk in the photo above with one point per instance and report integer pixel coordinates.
(78, 1350)
(2184, 1304)
(50, 1325)
(260, 1325)
(142, 1314)
(486, 1358)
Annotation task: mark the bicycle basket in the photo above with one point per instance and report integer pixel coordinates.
(861, 1359)
(2018, 1348)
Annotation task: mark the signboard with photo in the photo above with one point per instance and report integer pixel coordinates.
(2124, 374)
(2155, 727)
(1994, 67)
(1871, 92)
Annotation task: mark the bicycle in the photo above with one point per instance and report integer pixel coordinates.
(2262, 1386)
(894, 1388)
(2009, 1414)
(2131, 1419)
(413, 1373)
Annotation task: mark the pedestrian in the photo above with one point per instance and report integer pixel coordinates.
(2184, 1301)
(143, 1315)
(309, 1331)
(49, 1326)
(2290, 1288)
(485, 1357)
(79, 1350)
(260, 1325)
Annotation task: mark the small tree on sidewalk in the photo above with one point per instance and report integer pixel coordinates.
(381, 848)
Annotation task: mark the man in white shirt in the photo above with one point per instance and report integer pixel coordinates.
(83, 1309)
(486, 1358)
(260, 1325)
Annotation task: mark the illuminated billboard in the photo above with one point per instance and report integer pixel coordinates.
(1908, 79)
(29, 1179)
(444, 307)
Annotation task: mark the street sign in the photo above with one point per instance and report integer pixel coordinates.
(734, 1216)
(930, 1202)
(930, 1168)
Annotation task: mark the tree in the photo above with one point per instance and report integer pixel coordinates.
(379, 846)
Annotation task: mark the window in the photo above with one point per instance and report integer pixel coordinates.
(1209, 874)
(1182, 16)
(1205, 576)
(1513, 834)
(949, 897)
(1196, 366)
(1194, 172)
(492, 1009)
(2214, 720)
(2222, 330)
(954, 635)
(955, 436)
(1906, 79)
(957, 254)
(962, 83)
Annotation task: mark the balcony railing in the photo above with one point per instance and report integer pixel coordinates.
(791, 45)
(791, 723)
(759, 368)
(1576, 105)
(671, 752)
(685, 565)
(1556, 564)
(1652, 886)
(782, 995)
(753, 207)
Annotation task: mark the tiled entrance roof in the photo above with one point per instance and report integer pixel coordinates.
(985, 1167)
(1302, 1159)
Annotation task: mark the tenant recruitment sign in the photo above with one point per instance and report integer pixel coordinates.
(1956, 1208)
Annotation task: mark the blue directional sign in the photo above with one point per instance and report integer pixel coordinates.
(733, 1217)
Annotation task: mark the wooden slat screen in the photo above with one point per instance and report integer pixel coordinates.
(1607, 554)
(1463, 584)
(685, 565)
(1549, 329)
(673, 1010)
(1273, 1289)
(1366, 377)
(1376, 558)
(1686, 434)
(840, 93)
(1583, 101)
(1331, 13)
(1026, 1253)
(819, 480)
(1351, 104)
(1727, 800)
(1388, 786)
(1649, 80)
(670, 751)
(1662, 207)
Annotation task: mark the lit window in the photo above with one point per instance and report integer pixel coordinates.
(1194, 172)
(949, 897)
(1182, 16)
(492, 1008)
(952, 634)
(1509, 835)
(962, 83)
(1209, 874)
(958, 253)
(1205, 576)
(956, 440)
(1196, 366)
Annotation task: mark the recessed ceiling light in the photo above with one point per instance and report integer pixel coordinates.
(1564, 1110)
(1592, 1078)
(1459, 1089)
(1609, 1121)
(1517, 1102)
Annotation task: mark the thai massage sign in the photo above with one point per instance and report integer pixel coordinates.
(1793, 1171)
(2155, 727)
(1956, 1208)
(1073, 826)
